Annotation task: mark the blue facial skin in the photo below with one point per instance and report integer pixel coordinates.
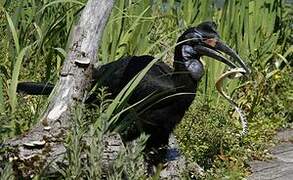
(194, 66)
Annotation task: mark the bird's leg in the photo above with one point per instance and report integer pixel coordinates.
(155, 152)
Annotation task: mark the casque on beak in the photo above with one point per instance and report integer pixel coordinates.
(213, 49)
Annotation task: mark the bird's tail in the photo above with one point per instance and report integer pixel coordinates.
(34, 88)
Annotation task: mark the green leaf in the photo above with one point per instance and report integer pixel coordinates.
(14, 80)
(122, 48)
(60, 1)
(14, 32)
(61, 51)
(2, 101)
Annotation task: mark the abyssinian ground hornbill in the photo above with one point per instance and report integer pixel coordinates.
(173, 89)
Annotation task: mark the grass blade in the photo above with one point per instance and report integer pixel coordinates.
(14, 80)
(2, 102)
(14, 32)
(60, 1)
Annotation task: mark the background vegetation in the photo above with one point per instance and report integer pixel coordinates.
(34, 36)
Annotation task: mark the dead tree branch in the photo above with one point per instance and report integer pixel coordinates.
(44, 143)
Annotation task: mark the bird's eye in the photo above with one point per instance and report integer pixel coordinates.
(211, 42)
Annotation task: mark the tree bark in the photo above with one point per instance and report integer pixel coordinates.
(44, 143)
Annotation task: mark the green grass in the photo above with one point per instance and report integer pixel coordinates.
(34, 40)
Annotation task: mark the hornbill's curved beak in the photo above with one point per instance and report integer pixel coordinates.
(213, 48)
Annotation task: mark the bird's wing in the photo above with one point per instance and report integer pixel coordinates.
(117, 74)
(157, 82)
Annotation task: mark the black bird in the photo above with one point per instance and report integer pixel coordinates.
(171, 90)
